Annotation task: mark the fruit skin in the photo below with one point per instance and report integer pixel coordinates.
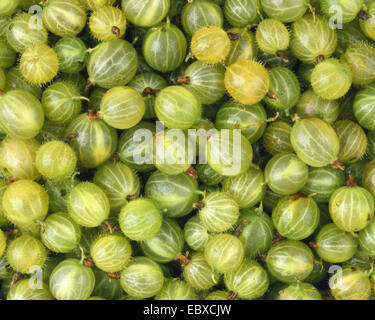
(97, 4)
(95, 142)
(7, 54)
(206, 82)
(111, 253)
(142, 278)
(61, 102)
(64, 18)
(23, 32)
(107, 23)
(8, 7)
(224, 252)
(285, 10)
(247, 81)
(286, 174)
(177, 107)
(17, 158)
(368, 25)
(25, 253)
(322, 182)
(300, 291)
(310, 105)
(220, 212)
(59, 233)
(122, 107)
(198, 274)
(174, 195)
(198, 13)
(350, 283)
(140, 219)
(351, 208)
(210, 45)
(119, 182)
(246, 189)
(145, 13)
(88, 205)
(288, 260)
(249, 280)
(24, 202)
(315, 142)
(364, 107)
(166, 245)
(350, 8)
(22, 291)
(21, 114)
(72, 54)
(56, 160)
(70, 280)
(272, 36)
(15, 80)
(176, 290)
(240, 13)
(368, 181)
(353, 141)
(39, 64)
(312, 30)
(107, 73)
(360, 56)
(334, 245)
(244, 48)
(276, 138)
(195, 234)
(2, 243)
(296, 217)
(257, 231)
(366, 239)
(164, 47)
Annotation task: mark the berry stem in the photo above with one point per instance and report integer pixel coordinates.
(184, 80)
(231, 296)
(363, 15)
(337, 164)
(183, 259)
(191, 172)
(198, 205)
(116, 32)
(89, 86)
(282, 54)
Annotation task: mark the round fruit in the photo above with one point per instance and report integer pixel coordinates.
(24, 203)
(218, 212)
(70, 280)
(322, 182)
(166, 245)
(351, 208)
(364, 107)
(61, 102)
(249, 281)
(23, 32)
(313, 39)
(195, 234)
(17, 158)
(300, 291)
(22, 291)
(7, 54)
(241, 13)
(224, 252)
(296, 217)
(21, 114)
(140, 219)
(142, 278)
(56, 160)
(8, 7)
(164, 47)
(64, 18)
(118, 182)
(176, 290)
(353, 141)
(207, 175)
(174, 195)
(276, 138)
(247, 81)
(331, 79)
(59, 233)
(368, 22)
(92, 139)
(246, 189)
(315, 142)
(2, 243)
(122, 107)
(272, 37)
(334, 245)
(88, 205)
(72, 54)
(286, 174)
(25, 253)
(290, 260)
(39, 64)
(107, 23)
(367, 239)
(107, 72)
(285, 10)
(177, 107)
(111, 253)
(350, 8)
(242, 45)
(145, 13)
